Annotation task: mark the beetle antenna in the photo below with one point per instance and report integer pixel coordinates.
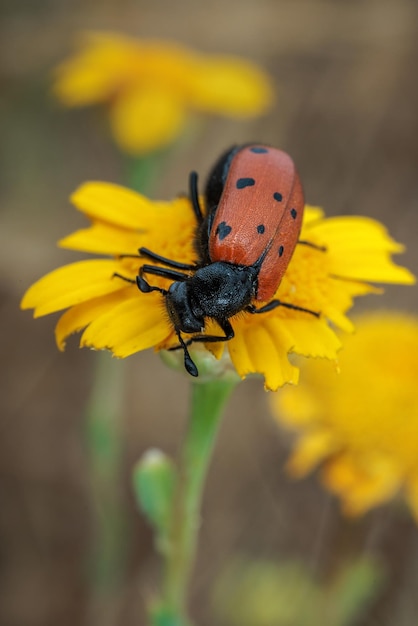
(188, 361)
(257, 265)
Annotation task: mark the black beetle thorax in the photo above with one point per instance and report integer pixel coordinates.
(220, 290)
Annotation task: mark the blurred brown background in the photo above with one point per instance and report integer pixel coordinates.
(347, 112)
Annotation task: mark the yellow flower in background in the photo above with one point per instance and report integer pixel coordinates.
(151, 87)
(113, 314)
(361, 424)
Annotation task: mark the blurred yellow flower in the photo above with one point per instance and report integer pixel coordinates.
(361, 424)
(152, 86)
(115, 315)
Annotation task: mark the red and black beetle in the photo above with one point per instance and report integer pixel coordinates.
(245, 239)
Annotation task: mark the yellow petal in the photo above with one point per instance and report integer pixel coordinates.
(70, 285)
(115, 204)
(231, 86)
(313, 337)
(81, 315)
(239, 354)
(339, 320)
(146, 118)
(362, 486)
(360, 248)
(368, 411)
(217, 348)
(354, 288)
(376, 268)
(103, 63)
(135, 324)
(102, 238)
(309, 451)
(312, 214)
(263, 349)
(351, 232)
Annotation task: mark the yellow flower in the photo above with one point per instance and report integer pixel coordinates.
(361, 424)
(116, 315)
(151, 86)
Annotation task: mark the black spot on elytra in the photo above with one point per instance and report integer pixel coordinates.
(293, 213)
(222, 230)
(278, 196)
(258, 150)
(281, 250)
(260, 229)
(245, 182)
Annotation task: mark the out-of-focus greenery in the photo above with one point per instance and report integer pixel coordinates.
(269, 594)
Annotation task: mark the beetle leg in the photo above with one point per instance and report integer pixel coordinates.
(226, 327)
(145, 287)
(125, 278)
(141, 283)
(164, 272)
(302, 242)
(275, 303)
(161, 259)
(194, 197)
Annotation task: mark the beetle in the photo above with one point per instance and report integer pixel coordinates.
(245, 239)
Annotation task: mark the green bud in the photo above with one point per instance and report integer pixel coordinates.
(154, 479)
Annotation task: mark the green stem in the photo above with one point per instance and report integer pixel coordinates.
(208, 401)
(143, 172)
(104, 441)
(108, 555)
